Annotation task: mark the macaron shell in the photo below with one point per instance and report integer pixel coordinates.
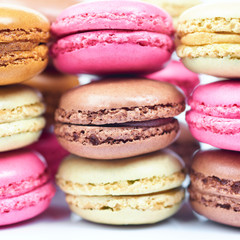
(130, 15)
(26, 206)
(122, 150)
(129, 213)
(116, 52)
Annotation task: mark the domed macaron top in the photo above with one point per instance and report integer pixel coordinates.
(218, 163)
(107, 15)
(15, 17)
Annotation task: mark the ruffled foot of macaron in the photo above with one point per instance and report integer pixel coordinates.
(140, 190)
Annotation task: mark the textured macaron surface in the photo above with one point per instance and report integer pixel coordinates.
(118, 101)
(105, 15)
(153, 172)
(20, 172)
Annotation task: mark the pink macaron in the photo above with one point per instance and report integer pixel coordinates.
(51, 150)
(110, 37)
(25, 186)
(177, 74)
(214, 117)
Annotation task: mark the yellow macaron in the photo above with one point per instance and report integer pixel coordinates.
(21, 122)
(139, 190)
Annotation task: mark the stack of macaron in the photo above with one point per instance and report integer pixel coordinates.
(115, 128)
(208, 42)
(25, 186)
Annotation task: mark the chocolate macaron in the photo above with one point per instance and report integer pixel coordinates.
(118, 118)
(215, 186)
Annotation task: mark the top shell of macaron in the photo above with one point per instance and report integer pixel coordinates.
(220, 163)
(19, 166)
(15, 17)
(211, 17)
(118, 100)
(223, 99)
(122, 15)
(14, 96)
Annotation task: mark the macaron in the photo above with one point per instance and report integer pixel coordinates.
(112, 37)
(214, 117)
(208, 39)
(177, 74)
(215, 190)
(25, 189)
(51, 150)
(174, 7)
(139, 190)
(52, 85)
(21, 122)
(24, 34)
(50, 8)
(118, 118)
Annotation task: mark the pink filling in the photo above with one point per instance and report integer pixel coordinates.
(213, 124)
(26, 185)
(222, 111)
(90, 39)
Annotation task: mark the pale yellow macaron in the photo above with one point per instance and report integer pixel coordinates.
(174, 7)
(21, 123)
(138, 190)
(208, 39)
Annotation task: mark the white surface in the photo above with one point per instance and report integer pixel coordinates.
(58, 223)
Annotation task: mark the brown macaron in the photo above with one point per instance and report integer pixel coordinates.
(23, 36)
(215, 186)
(118, 118)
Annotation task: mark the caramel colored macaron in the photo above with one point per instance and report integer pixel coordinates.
(118, 118)
(138, 190)
(52, 85)
(23, 36)
(215, 186)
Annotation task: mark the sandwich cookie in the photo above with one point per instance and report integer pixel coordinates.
(215, 186)
(112, 37)
(139, 190)
(23, 37)
(214, 117)
(21, 122)
(25, 187)
(209, 39)
(118, 118)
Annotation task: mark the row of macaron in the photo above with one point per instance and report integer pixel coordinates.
(207, 43)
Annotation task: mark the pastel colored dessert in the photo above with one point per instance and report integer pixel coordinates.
(111, 37)
(140, 190)
(51, 150)
(25, 189)
(118, 118)
(175, 73)
(21, 122)
(50, 8)
(215, 190)
(209, 39)
(23, 52)
(185, 145)
(52, 85)
(215, 119)
(174, 7)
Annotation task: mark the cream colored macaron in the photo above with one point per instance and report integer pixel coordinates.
(21, 123)
(208, 39)
(138, 190)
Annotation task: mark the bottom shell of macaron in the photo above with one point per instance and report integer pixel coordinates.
(218, 208)
(127, 210)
